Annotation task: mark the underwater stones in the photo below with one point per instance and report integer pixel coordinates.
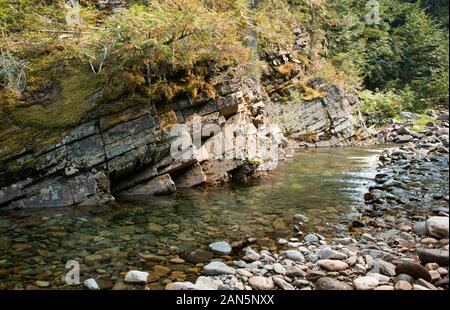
(92, 259)
(21, 247)
(177, 260)
(42, 284)
(152, 257)
(199, 256)
(5, 243)
(154, 228)
(279, 225)
(161, 271)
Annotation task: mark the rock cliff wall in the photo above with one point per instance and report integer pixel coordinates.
(311, 111)
(128, 153)
(330, 121)
(125, 149)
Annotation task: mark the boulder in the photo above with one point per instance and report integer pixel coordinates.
(192, 177)
(221, 247)
(161, 185)
(437, 226)
(414, 270)
(434, 256)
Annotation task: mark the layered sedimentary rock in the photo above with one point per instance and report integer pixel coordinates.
(129, 152)
(330, 121)
(311, 111)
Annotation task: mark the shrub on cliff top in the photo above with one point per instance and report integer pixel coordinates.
(380, 107)
(159, 50)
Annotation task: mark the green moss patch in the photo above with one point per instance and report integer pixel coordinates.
(68, 110)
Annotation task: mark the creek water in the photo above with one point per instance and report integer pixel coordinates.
(325, 185)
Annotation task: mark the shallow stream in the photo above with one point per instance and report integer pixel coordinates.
(325, 185)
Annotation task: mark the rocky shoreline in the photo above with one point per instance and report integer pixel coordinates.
(399, 243)
(399, 240)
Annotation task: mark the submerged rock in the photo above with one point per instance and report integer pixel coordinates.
(199, 256)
